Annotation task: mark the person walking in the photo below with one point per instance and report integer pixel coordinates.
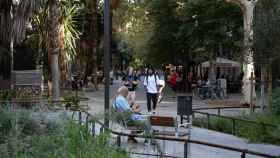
(161, 85)
(151, 83)
(131, 83)
(173, 80)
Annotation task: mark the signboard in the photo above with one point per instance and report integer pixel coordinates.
(27, 84)
(27, 77)
(184, 105)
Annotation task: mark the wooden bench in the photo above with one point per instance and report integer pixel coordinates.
(166, 121)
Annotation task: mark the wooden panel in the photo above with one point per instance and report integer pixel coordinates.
(164, 121)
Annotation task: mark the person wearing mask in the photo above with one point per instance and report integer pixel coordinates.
(151, 83)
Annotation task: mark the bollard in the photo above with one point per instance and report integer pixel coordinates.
(87, 121)
(93, 129)
(233, 126)
(208, 121)
(186, 149)
(101, 130)
(119, 141)
(80, 117)
(243, 155)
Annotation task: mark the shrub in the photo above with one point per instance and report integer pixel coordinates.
(276, 101)
(257, 133)
(6, 95)
(23, 136)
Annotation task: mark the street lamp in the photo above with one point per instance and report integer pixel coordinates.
(107, 46)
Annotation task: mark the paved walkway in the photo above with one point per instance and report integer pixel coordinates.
(169, 107)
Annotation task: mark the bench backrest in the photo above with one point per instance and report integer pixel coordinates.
(164, 121)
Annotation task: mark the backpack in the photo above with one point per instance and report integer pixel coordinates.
(155, 81)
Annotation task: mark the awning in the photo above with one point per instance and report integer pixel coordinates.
(222, 62)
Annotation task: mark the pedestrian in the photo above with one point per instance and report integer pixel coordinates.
(151, 86)
(131, 83)
(173, 80)
(161, 85)
(111, 74)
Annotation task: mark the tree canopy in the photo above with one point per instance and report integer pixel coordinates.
(194, 29)
(266, 31)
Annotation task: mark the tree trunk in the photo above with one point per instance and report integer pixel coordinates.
(62, 58)
(94, 27)
(269, 88)
(54, 47)
(212, 76)
(247, 8)
(212, 67)
(248, 55)
(263, 87)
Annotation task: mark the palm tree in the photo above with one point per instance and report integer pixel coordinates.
(54, 11)
(68, 37)
(95, 31)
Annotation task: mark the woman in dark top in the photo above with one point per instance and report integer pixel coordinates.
(132, 83)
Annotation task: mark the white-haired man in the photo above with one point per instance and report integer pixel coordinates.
(121, 104)
(132, 113)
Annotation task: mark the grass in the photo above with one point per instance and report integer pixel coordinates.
(254, 133)
(22, 136)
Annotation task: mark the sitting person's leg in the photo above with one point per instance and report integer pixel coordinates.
(142, 123)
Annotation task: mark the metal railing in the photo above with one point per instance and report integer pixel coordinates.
(219, 108)
(91, 121)
(234, 120)
(186, 142)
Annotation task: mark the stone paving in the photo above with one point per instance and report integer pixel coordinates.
(169, 107)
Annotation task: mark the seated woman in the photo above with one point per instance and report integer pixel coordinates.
(130, 114)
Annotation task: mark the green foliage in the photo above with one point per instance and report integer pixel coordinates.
(193, 29)
(162, 45)
(266, 31)
(276, 101)
(69, 27)
(6, 95)
(39, 39)
(22, 136)
(253, 132)
(134, 28)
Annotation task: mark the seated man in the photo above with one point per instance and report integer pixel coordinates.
(121, 105)
(130, 114)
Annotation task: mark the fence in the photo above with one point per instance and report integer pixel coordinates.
(186, 142)
(234, 120)
(91, 122)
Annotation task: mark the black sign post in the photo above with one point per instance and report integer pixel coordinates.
(184, 106)
(107, 50)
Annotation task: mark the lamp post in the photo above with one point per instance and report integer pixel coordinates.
(107, 47)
